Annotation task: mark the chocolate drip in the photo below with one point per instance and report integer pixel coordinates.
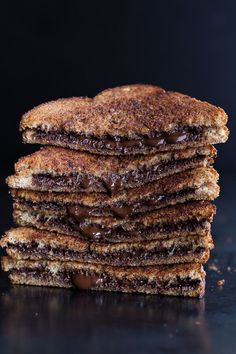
(88, 231)
(84, 282)
(175, 138)
(110, 281)
(121, 210)
(113, 183)
(96, 232)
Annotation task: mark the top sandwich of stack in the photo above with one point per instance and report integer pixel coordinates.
(127, 120)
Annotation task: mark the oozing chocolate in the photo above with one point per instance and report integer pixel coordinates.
(96, 232)
(119, 144)
(112, 183)
(119, 210)
(84, 280)
(123, 210)
(124, 257)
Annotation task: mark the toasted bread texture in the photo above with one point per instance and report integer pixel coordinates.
(130, 112)
(186, 219)
(195, 184)
(64, 170)
(177, 280)
(29, 243)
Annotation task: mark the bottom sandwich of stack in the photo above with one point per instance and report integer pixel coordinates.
(172, 266)
(176, 279)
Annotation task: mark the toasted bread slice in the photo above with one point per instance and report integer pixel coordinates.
(29, 243)
(195, 184)
(126, 120)
(193, 218)
(64, 170)
(178, 280)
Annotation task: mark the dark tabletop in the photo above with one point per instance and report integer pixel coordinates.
(40, 320)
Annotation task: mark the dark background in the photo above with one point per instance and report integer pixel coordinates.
(52, 49)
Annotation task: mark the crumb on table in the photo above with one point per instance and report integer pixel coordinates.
(220, 282)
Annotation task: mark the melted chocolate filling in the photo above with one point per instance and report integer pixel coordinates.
(113, 183)
(123, 210)
(85, 281)
(119, 210)
(96, 232)
(118, 143)
(122, 257)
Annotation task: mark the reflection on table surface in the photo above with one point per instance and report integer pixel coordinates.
(31, 313)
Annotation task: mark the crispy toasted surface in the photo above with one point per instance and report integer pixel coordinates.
(154, 280)
(201, 180)
(182, 221)
(58, 169)
(165, 271)
(29, 243)
(64, 161)
(143, 108)
(127, 120)
(181, 212)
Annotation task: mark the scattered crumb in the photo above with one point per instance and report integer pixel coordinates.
(229, 269)
(220, 282)
(213, 266)
(36, 314)
(197, 323)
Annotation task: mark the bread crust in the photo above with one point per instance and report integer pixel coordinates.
(62, 170)
(203, 179)
(64, 161)
(35, 244)
(52, 269)
(143, 108)
(174, 213)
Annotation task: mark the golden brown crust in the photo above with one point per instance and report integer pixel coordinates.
(100, 174)
(164, 270)
(181, 212)
(143, 108)
(52, 246)
(184, 220)
(206, 178)
(64, 161)
(167, 273)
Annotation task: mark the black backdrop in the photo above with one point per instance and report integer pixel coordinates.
(53, 48)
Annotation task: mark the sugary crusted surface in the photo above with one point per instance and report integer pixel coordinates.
(50, 275)
(143, 108)
(64, 161)
(28, 234)
(187, 211)
(164, 271)
(193, 178)
(128, 232)
(116, 254)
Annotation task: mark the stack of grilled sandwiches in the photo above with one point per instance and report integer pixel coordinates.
(119, 196)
